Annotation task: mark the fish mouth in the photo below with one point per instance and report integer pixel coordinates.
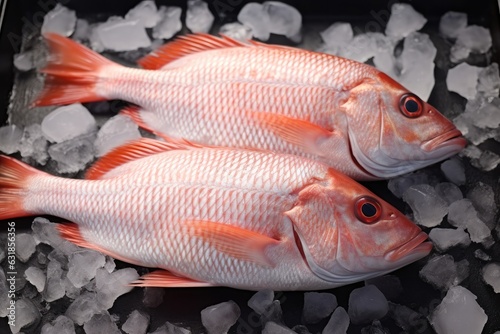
(415, 248)
(452, 139)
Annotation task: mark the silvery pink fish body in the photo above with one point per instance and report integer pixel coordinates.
(217, 91)
(221, 217)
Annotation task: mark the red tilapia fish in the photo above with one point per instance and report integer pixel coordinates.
(221, 92)
(221, 217)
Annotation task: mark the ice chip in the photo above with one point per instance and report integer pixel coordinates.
(261, 300)
(36, 277)
(443, 272)
(445, 238)
(237, 31)
(73, 155)
(198, 16)
(83, 265)
(256, 18)
(489, 81)
(361, 48)
(153, 297)
(145, 12)
(462, 79)
(170, 22)
(59, 20)
(137, 323)
(453, 169)
(68, 122)
(459, 53)
(4, 295)
(46, 232)
(481, 255)
(487, 116)
(25, 246)
(389, 285)
(273, 313)
(284, 19)
(482, 197)
(475, 38)
(449, 192)
(10, 139)
(82, 30)
(317, 306)
(169, 328)
(274, 328)
(24, 61)
(111, 286)
(118, 34)
(34, 145)
(101, 323)
(115, 132)
(367, 304)
(463, 214)
(458, 313)
(54, 286)
(403, 21)
(338, 35)
(219, 318)
(428, 208)
(487, 161)
(83, 308)
(452, 23)
(404, 317)
(27, 314)
(338, 323)
(491, 275)
(62, 325)
(375, 328)
(400, 184)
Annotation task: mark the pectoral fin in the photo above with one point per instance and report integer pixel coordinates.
(301, 133)
(236, 242)
(166, 279)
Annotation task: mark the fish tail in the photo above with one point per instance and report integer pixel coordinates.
(72, 73)
(14, 181)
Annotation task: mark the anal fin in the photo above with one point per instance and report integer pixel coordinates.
(165, 279)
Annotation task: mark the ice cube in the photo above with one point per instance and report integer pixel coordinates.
(284, 19)
(462, 79)
(489, 81)
(82, 30)
(59, 20)
(219, 318)
(36, 277)
(24, 61)
(463, 214)
(25, 246)
(34, 145)
(115, 132)
(4, 294)
(261, 300)
(389, 285)
(487, 117)
(443, 272)
(111, 286)
(487, 161)
(453, 169)
(54, 286)
(428, 208)
(472, 152)
(71, 291)
(198, 16)
(445, 238)
(83, 265)
(459, 53)
(317, 306)
(101, 323)
(169, 328)
(338, 35)
(300, 329)
(375, 328)
(110, 264)
(62, 325)
(27, 314)
(338, 323)
(475, 38)
(400, 184)
(491, 275)
(452, 23)
(46, 232)
(73, 155)
(68, 122)
(83, 308)
(361, 48)
(118, 34)
(403, 21)
(273, 328)
(237, 31)
(170, 22)
(367, 304)
(481, 255)
(417, 64)
(449, 192)
(458, 313)
(10, 139)
(146, 12)
(137, 323)
(405, 317)
(153, 297)
(482, 197)
(256, 18)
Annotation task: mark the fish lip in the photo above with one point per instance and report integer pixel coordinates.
(416, 245)
(449, 138)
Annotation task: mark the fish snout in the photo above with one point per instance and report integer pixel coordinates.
(451, 139)
(415, 246)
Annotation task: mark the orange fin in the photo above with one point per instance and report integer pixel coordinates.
(13, 185)
(185, 45)
(72, 72)
(295, 131)
(134, 150)
(234, 241)
(136, 114)
(165, 279)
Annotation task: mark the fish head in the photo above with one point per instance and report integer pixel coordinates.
(346, 233)
(392, 131)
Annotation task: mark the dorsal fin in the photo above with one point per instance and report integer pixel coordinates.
(132, 151)
(185, 45)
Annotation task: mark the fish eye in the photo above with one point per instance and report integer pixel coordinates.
(411, 106)
(367, 210)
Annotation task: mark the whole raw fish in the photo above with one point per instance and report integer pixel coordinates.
(220, 216)
(218, 91)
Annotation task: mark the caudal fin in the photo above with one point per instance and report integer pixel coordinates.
(72, 72)
(14, 177)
